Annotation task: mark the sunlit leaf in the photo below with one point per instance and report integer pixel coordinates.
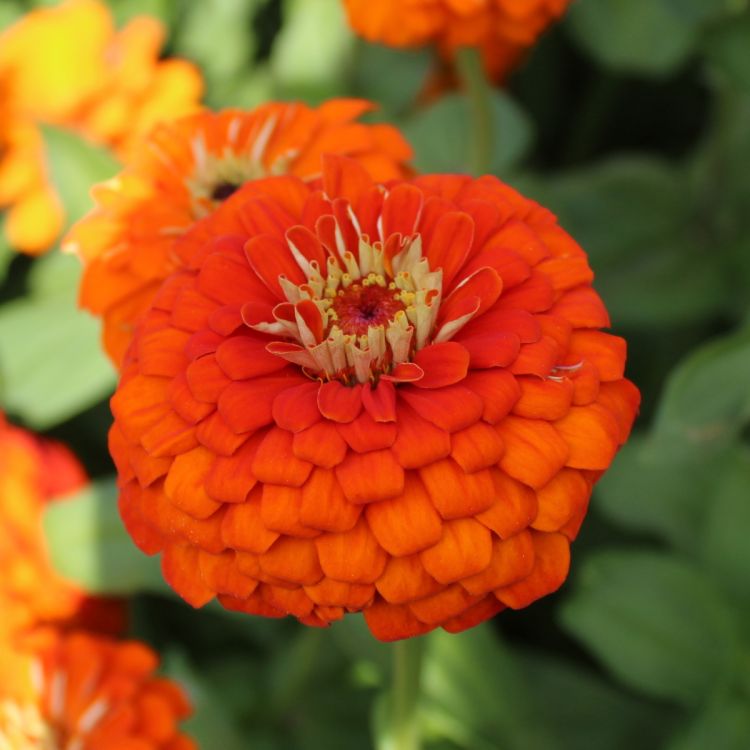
(657, 622)
(76, 165)
(88, 544)
(441, 134)
(51, 362)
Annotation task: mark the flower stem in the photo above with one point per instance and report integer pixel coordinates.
(407, 664)
(469, 63)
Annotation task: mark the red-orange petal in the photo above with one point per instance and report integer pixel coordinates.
(353, 556)
(367, 477)
(464, 549)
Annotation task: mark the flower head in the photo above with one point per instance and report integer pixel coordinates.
(502, 29)
(85, 692)
(184, 170)
(390, 398)
(68, 66)
(32, 472)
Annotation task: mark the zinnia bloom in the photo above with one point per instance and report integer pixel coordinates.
(389, 398)
(502, 29)
(68, 66)
(85, 692)
(32, 471)
(184, 170)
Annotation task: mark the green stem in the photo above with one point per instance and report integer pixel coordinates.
(407, 664)
(471, 70)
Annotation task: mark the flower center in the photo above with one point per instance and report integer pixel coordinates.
(369, 313)
(365, 304)
(22, 727)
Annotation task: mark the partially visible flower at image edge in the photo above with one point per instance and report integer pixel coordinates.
(88, 692)
(68, 66)
(388, 398)
(33, 472)
(502, 29)
(185, 169)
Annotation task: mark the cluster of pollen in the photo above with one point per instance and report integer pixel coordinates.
(23, 728)
(367, 314)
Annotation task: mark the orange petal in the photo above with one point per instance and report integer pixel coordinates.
(491, 348)
(464, 550)
(280, 509)
(405, 579)
(622, 399)
(245, 356)
(352, 556)
(477, 447)
(513, 508)
(606, 352)
(469, 618)
(551, 564)
(320, 444)
(498, 390)
(445, 605)
(365, 434)
(401, 209)
(418, 442)
(330, 593)
(215, 434)
(451, 408)
(591, 433)
(185, 484)
(324, 505)
(291, 601)
(170, 436)
(231, 478)
(292, 560)
(512, 560)
(544, 399)
(443, 364)
(454, 493)
(338, 403)
(534, 451)
(534, 295)
(206, 379)
(537, 359)
(450, 244)
(162, 352)
(181, 570)
(367, 477)
(271, 258)
(392, 622)
(565, 273)
(380, 401)
(405, 524)
(583, 308)
(243, 529)
(221, 574)
(275, 463)
(245, 405)
(562, 498)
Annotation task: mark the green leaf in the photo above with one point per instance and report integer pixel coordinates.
(650, 37)
(706, 398)
(440, 134)
(311, 54)
(226, 64)
(657, 622)
(212, 725)
(724, 725)
(660, 487)
(6, 253)
(377, 67)
(75, 165)
(51, 362)
(584, 712)
(474, 694)
(88, 544)
(724, 544)
(726, 48)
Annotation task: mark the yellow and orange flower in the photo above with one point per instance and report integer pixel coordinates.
(502, 29)
(32, 471)
(68, 66)
(89, 693)
(389, 398)
(187, 168)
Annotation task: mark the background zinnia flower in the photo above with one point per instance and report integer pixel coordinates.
(90, 693)
(68, 66)
(34, 470)
(501, 29)
(359, 397)
(183, 170)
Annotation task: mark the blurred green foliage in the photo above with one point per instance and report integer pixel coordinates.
(631, 120)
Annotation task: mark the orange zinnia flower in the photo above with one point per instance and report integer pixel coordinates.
(184, 170)
(502, 29)
(89, 693)
(68, 66)
(363, 397)
(32, 471)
